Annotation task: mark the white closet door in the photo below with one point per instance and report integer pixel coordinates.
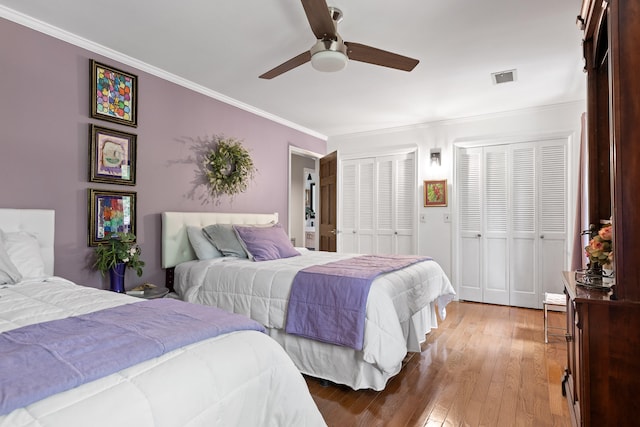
(512, 229)
(405, 203)
(385, 203)
(357, 206)
(349, 206)
(552, 182)
(523, 278)
(395, 195)
(495, 278)
(378, 204)
(469, 197)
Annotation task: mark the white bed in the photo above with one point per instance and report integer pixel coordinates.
(401, 307)
(239, 378)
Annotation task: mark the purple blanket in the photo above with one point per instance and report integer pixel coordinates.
(328, 302)
(39, 360)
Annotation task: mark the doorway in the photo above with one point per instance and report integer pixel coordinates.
(303, 197)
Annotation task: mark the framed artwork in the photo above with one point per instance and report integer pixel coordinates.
(435, 193)
(110, 212)
(114, 94)
(112, 156)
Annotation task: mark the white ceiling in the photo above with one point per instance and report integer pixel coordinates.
(221, 47)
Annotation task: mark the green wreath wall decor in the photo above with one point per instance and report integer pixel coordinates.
(228, 167)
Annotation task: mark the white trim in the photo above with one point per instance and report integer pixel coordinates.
(293, 150)
(381, 152)
(503, 139)
(459, 120)
(89, 45)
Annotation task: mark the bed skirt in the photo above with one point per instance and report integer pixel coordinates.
(348, 365)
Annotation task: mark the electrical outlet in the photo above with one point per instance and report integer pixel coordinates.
(423, 218)
(446, 217)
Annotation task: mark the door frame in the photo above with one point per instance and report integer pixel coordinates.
(301, 152)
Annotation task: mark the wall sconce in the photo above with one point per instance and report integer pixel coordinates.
(435, 157)
(309, 178)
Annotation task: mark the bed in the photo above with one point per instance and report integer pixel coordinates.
(402, 305)
(236, 378)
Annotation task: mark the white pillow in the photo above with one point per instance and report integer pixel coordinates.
(24, 252)
(203, 248)
(9, 273)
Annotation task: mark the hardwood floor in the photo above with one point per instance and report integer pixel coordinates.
(485, 365)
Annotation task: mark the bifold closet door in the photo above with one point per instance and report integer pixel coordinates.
(495, 279)
(357, 206)
(512, 210)
(482, 193)
(377, 205)
(539, 221)
(395, 207)
(469, 184)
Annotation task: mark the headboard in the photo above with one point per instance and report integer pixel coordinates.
(175, 243)
(39, 222)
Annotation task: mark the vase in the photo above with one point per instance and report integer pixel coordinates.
(116, 275)
(595, 268)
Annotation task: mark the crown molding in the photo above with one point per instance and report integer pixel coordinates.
(50, 30)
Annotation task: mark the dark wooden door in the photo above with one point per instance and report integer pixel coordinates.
(328, 201)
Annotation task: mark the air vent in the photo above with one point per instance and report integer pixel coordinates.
(503, 77)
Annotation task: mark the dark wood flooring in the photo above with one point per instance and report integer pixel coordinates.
(485, 365)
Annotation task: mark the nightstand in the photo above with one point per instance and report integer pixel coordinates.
(150, 293)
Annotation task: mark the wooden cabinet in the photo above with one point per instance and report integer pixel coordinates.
(602, 378)
(603, 329)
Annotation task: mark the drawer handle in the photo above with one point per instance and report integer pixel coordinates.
(568, 337)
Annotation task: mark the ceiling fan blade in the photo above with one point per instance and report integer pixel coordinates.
(319, 19)
(371, 55)
(286, 66)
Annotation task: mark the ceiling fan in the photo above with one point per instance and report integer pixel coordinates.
(330, 52)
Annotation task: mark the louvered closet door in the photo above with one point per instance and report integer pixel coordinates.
(405, 203)
(512, 205)
(552, 182)
(469, 184)
(495, 242)
(524, 259)
(357, 206)
(395, 206)
(539, 220)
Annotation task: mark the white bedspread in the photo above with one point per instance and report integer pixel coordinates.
(260, 291)
(239, 379)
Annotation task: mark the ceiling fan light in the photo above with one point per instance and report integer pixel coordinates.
(329, 60)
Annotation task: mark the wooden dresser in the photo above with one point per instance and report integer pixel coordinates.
(602, 381)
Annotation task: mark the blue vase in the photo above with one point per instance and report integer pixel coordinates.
(116, 274)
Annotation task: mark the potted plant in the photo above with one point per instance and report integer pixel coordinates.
(117, 254)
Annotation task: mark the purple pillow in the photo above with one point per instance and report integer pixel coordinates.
(266, 243)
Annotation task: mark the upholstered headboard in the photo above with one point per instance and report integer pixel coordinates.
(175, 243)
(40, 223)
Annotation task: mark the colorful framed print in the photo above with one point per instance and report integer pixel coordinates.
(114, 95)
(435, 193)
(112, 156)
(110, 212)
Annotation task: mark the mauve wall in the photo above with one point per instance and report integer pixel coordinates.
(44, 126)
